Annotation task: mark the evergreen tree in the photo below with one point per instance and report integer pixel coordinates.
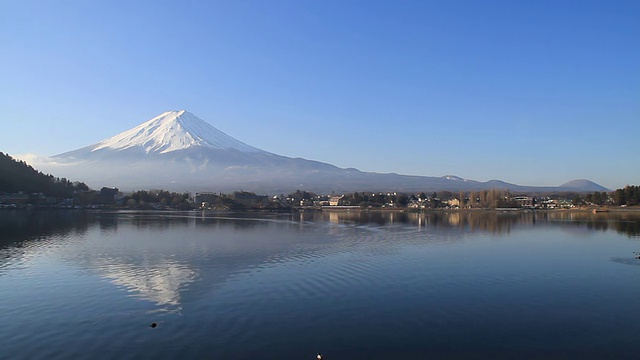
(18, 176)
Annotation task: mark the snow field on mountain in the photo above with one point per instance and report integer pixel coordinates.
(171, 131)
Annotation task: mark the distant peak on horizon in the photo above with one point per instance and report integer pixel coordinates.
(173, 130)
(584, 184)
(178, 150)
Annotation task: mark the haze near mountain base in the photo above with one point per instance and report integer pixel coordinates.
(178, 151)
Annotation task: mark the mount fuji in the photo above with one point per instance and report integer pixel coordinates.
(178, 151)
(171, 135)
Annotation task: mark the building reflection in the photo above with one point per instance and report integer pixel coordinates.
(169, 258)
(497, 222)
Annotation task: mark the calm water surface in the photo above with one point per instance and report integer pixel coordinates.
(350, 285)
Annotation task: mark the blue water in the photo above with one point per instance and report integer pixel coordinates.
(350, 285)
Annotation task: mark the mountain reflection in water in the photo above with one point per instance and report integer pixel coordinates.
(311, 280)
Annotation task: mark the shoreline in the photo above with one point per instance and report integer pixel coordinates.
(591, 209)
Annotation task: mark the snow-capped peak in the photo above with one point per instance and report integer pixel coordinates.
(453, 177)
(171, 131)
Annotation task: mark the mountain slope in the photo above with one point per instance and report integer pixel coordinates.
(583, 185)
(178, 151)
(16, 176)
(166, 133)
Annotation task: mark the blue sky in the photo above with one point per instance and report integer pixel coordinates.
(529, 92)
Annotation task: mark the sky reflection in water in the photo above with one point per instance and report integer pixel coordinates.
(349, 284)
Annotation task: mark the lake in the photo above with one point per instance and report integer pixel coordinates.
(351, 285)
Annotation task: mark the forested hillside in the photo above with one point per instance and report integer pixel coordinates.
(16, 176)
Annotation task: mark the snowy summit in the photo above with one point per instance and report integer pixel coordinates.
(171, 131)
(177, 151)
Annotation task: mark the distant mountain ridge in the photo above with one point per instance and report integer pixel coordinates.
(178, 151)
(583, 185)
(167, 132)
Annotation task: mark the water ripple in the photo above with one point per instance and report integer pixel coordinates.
(228, 288)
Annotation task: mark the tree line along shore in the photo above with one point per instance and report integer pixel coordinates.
(23, 186)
